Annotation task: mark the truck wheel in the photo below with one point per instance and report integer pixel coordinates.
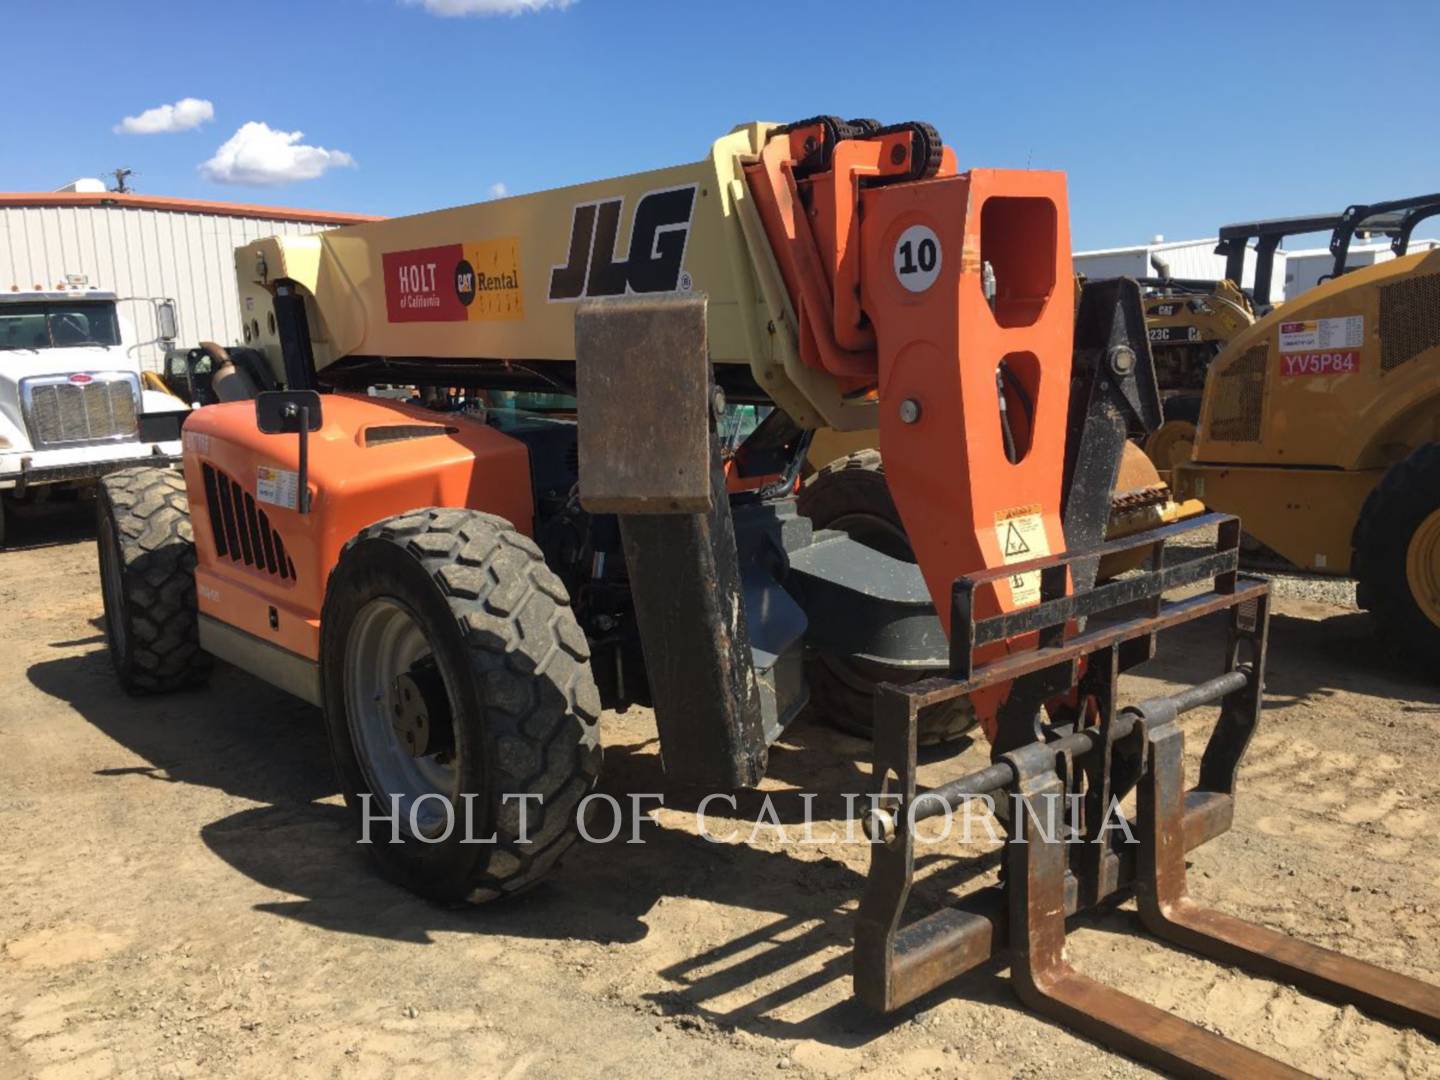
(850, 494)
(147, 580)
(1396, 559)
(457, 681)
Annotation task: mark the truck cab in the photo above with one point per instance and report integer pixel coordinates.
(73, 400)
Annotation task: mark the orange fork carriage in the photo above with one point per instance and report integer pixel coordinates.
(873, 320)
(946, 292)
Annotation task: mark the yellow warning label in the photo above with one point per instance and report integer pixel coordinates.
(1020, 532)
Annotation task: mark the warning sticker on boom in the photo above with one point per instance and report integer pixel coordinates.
(1020, 532)
(1323, 335)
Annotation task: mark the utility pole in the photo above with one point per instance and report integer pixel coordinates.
(121, 175)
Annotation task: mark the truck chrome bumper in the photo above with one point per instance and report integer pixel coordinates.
(33, 468)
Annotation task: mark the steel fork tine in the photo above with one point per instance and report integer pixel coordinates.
(1049, 985)
(1168, 912)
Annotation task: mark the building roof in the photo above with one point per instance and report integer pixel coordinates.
(111, 199)
(1164, 245)
(1384, 245)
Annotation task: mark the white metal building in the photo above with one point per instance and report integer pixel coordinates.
(144, 246)
(1304, 269)
(1187, 259)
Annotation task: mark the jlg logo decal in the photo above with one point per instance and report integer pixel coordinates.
(653, 260)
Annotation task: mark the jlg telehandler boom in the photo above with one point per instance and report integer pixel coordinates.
(462, 587)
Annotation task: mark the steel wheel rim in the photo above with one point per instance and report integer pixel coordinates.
(1172, 444)
(384, 641)
(1422, 567)
(113, 590)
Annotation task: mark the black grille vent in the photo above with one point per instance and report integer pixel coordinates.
(1239, 403)
(1409, 319)
(389, 433)
(242, 530)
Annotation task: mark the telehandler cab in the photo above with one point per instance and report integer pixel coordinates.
(463, 590)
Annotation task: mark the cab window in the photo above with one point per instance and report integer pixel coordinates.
(57, 325)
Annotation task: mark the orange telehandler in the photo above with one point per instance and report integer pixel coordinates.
(463, 588)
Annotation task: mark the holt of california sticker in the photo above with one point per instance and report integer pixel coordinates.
(454, 282)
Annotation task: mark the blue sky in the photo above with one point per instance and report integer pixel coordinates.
(1163, 120)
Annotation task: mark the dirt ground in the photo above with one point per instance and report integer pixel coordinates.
(180, 894)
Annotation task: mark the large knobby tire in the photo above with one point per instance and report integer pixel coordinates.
(851, 495)
(147, 580)
(1396, 557)
(447, 628)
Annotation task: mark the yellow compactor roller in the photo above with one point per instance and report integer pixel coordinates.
(1320, 425)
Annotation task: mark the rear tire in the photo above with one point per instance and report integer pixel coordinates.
(851, 495)
(1396, 557)
(147, 578)
(459, 607)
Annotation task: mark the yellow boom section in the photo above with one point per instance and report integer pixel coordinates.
(500, 280)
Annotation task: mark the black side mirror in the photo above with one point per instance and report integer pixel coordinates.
(287, 412)
(291, 412)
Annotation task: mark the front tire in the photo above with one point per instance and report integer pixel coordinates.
(147, 579)
(453, 666)
(851, 495)
(1396, 557)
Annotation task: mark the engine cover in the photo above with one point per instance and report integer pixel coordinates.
(262, 565)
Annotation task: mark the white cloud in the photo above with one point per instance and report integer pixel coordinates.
(498, 190)
(456, 8)
(185, 114)
(258, 154)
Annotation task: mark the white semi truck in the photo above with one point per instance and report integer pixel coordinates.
(74, 404)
